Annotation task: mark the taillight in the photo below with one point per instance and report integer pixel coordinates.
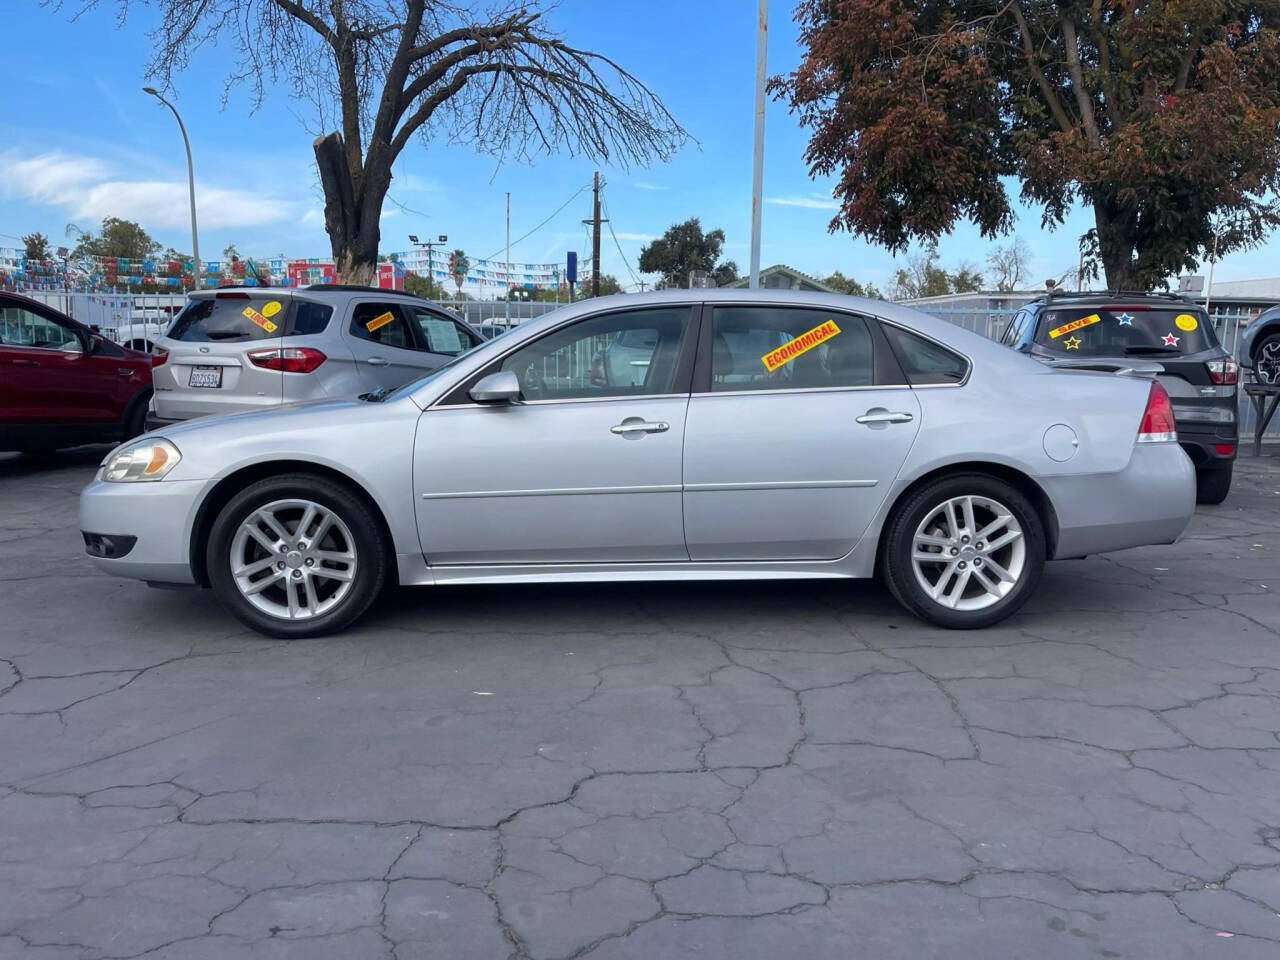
(288, 359)
(1225, 371)
(159, 356)
(1157, 420)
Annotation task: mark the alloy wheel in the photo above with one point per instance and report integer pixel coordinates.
(293, 559)
(1267, 366)
(968, 552)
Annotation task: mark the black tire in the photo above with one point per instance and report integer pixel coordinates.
(1266, 360)
(136, 417)
(1214, 483)
(899, 543)
(370, 544)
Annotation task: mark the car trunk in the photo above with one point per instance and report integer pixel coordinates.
(209, 369)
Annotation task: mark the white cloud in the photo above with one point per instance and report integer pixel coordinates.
(86, 188)
(647, 185)
(808, 203)
(636, 237)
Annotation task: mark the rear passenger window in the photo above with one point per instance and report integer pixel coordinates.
(924, 361)
(229, 318)
(781, 348)
(309, 318)
(382, 323)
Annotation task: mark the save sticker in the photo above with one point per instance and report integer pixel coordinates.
(1075, 325)
(801, 344)
(381, 320)
(1185, 321)
(271, 308)
(259, 319)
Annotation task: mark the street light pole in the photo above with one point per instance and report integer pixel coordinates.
(191, 181)
(757, 160)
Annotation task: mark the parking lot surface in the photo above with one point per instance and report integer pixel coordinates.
(634, 770)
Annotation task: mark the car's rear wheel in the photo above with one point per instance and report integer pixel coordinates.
(1266, 359)
(297, 556)
(1213, 484)
(964, 552)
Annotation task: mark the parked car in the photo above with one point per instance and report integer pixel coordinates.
(61, 384)
(872, 437)
(240, 349)
(1198, 374)
(1259, 348)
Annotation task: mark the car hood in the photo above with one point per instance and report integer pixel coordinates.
(271, 419)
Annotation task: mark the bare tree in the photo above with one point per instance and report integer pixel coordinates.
(385, 71)
(1010, 265)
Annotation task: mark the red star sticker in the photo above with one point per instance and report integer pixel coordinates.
(1170, 340)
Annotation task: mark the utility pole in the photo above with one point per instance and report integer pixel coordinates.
(757, 160)
(594, 223)
(507, 299)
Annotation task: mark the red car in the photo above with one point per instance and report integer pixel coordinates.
(61, 384)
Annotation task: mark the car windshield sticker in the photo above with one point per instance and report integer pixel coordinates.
(259, 319)
(381, 320)
(1170, 340)
(271, 308)
(1185, 321)
(1091, 319)
(1125, 320)
(801, 344)
(1072, 343)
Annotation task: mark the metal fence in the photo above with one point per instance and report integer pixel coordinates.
(1229, 327)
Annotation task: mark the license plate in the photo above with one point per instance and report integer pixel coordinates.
(205, 377)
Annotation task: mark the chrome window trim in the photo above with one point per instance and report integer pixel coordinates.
(26, 346)
(968, 360)
(546, 403)
(786, 390)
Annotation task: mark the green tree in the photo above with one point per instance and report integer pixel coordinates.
(36, 246)
(230, 253)
(459, 267)
(924, 276)
(421, 286)
(118, 238)
(380, 74)
(685, 248)
(838, 281)
(1161, 116)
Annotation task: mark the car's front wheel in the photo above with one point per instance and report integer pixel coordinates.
(964, 552)
(297, 556)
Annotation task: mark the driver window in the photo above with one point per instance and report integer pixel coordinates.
(20, 327)
(632, 353)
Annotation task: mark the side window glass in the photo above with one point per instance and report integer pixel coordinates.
(442, 335)
(787, 348)
(382, 323)
(631, 353)
(309, 318)
(924, 361)
(1014, 329)
(20, 327)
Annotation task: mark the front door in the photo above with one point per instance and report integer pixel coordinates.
(585, 469)
(799, 422)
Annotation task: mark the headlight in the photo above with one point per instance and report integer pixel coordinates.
(145, 460)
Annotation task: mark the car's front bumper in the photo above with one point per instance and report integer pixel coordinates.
(1150, 501)
(160, 515)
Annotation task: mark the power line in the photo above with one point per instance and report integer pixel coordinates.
(625, 261)
(543, 223)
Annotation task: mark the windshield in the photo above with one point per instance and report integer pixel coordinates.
(1117, 331)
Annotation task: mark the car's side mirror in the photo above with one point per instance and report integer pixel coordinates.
(500, 387)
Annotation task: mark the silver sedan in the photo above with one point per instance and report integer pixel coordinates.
(764, 435)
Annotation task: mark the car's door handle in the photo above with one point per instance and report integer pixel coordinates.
(377, 361)
(886, 416)
(26, 363)
(640, 426)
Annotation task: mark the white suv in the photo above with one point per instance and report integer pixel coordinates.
(239, 349)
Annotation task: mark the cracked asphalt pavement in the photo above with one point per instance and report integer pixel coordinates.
(640, 771)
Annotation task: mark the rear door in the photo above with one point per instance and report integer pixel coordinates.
(385, 348)
(209, 369)
(799, 421)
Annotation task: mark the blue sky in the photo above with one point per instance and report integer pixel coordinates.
(79, 141)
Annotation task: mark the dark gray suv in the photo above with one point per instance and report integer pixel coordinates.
(245, 348)
(1199, 375)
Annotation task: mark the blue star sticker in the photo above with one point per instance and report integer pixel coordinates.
(1125, 320)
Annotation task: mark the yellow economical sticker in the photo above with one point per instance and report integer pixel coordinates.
(259, 319)
(381, 320)
(271, 308)
(801, 344)
(1185, 321)
(1075, 325)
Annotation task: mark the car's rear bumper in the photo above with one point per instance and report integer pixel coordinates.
(1209, 445)
(158, 516)
(1150, 501)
